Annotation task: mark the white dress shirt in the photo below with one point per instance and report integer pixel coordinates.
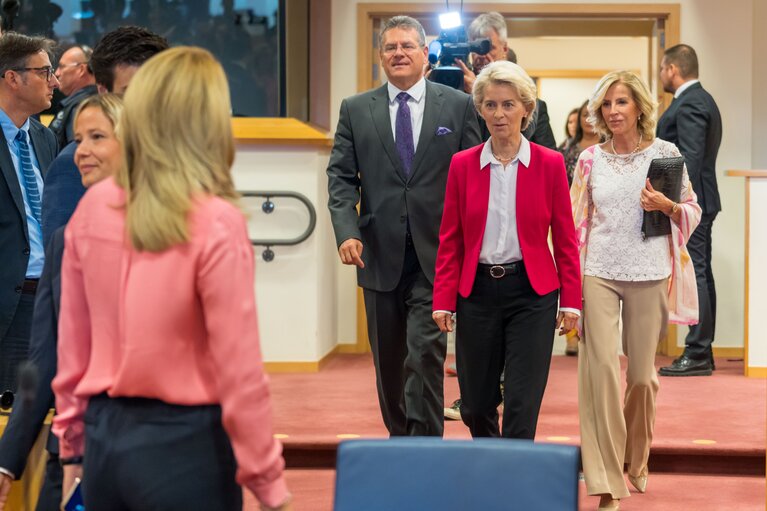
(684, 87)
(416, 103)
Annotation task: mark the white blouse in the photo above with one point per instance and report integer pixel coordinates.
(616, 250)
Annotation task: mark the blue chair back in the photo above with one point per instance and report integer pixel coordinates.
(433, 474)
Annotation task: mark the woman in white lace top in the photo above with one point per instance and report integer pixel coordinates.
(643, 282)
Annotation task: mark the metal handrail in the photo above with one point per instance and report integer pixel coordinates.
(268, 207)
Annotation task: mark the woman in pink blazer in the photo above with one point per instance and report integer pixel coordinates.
(495, 269)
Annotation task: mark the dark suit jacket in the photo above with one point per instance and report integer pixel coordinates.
(28, 416)
(63, 190)
(538, 131)
(694, 124)
(14, 235)
(364, 168)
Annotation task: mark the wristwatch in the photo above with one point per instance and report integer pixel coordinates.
(674, 208)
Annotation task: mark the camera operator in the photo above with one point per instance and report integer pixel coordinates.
(492, 26)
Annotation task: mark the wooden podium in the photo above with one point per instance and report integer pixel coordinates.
(25, 491)
(754, 336)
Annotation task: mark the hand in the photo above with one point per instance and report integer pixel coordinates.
(468, 76)
(5, 489)
(426, 70)
(653, 200)
(350, 252)
(444, 321)
(71, 472)
(566, 321)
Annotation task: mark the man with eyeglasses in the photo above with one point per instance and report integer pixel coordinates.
(26, 149)
(391, 154)
(76, 82)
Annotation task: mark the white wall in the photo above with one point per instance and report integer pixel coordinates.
(296, 291)
(723, 35)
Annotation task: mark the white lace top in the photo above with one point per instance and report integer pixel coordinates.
(616, 250)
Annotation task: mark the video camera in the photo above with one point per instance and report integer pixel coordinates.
(452, 44)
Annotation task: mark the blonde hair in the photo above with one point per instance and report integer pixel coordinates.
(111, 105)
(641, 95)
(503, 72)
(177, 140)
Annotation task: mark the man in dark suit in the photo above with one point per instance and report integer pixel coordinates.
(26, 149)
(392, 150)
(693, 123)
(77, 83)
(492, 26)
(115, 59)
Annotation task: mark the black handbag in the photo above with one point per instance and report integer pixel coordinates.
(665, 176)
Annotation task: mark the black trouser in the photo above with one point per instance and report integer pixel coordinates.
(504, 321)
(143, 454)
(701, 336)
(14, 347)
(409, 353)
(50, 492)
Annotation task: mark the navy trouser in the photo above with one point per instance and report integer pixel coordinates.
(143, 454)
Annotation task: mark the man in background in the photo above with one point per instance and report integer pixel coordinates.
(115, 60)
(694, 124)
(492, 26)
(76, 82)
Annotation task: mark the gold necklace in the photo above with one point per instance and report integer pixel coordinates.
(499, 158)
(612, 145)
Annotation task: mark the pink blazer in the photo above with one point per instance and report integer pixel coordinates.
(543, 202)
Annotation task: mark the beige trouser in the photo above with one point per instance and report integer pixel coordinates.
(613, 432)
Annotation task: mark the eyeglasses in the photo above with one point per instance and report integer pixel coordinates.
(48, 70)
(407, 48)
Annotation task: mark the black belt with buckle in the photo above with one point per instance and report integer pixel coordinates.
(498, 271)
(29, 287)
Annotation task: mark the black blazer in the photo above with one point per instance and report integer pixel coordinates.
(27, 417)
(14, 236)
(364, 168)
(694, 124)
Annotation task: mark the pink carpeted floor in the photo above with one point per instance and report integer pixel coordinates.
(718, 414)
(712, 417)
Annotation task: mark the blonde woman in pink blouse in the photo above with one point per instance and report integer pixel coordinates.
(160, 384)
(643, 282)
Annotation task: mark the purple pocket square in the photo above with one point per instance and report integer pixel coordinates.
(443, 131)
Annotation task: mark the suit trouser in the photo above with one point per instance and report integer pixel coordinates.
(50, 492)
(615, 430)
(146, 455)
(408, 352)
(503, 322)
(14, 347)
(701, 336)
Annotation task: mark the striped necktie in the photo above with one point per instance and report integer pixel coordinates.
(30, 181)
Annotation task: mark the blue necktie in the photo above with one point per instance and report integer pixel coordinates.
(30, 181)
(404, 133)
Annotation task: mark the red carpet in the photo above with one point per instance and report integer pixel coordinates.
(712, 425)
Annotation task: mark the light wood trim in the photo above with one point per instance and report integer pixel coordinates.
(756, 372)
(302, 367)
(569, 73)
(278, 131)
(366, 12)
(363, 344)
(746, 173)
(746, 287)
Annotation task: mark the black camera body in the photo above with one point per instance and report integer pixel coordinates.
(453, 44)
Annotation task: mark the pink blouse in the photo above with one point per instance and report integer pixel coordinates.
(178, 326)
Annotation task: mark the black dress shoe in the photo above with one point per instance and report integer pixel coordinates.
(685, 366)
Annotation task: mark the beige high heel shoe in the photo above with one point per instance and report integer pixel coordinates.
(608, 503)
(639, 482)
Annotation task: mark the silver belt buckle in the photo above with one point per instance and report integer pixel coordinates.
(497, 271)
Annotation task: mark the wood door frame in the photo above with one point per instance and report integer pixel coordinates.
(667, 18)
